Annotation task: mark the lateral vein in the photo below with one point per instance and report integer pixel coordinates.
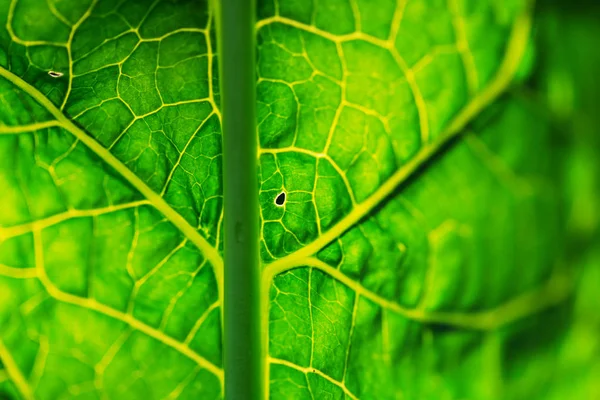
(93, 305)
(552, 292)
(158, 202)
(13, 130)
(516, 49)
(14, 373)
(311, 370)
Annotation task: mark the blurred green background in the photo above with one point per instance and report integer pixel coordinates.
(564, 85)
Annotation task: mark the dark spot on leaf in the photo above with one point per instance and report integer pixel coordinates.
(55, 74)
(280, 199)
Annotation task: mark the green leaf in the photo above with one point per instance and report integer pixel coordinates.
(428, 190)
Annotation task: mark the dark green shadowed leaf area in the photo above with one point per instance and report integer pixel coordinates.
(428, 196)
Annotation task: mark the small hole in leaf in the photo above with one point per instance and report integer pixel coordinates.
(280, 199)
(55, 74)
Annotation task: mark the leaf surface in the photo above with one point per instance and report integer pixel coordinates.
(425, 232)
(112, 200)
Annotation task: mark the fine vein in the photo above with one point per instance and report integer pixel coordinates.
(158, 202)
(516, 49)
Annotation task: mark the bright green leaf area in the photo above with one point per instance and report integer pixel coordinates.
(439, 161)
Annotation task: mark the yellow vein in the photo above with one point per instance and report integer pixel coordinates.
(93, 305)
(17, 230)
(16, 39)
(350, 335)
(74, 28)
(310, 370)
(516, 48)
(317, 156)
(176, 393)
(211, 55)
(182, 153)
(158, 202)
(18, 273)
(140, 282)
(552, 292)
(108, 357)
(14, 373)
(386, 44)
(462, 45)
(200, 321)
(11, 130)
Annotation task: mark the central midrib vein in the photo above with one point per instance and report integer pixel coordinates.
(243, 338)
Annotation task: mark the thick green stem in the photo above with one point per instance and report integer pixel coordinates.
(242, 329)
